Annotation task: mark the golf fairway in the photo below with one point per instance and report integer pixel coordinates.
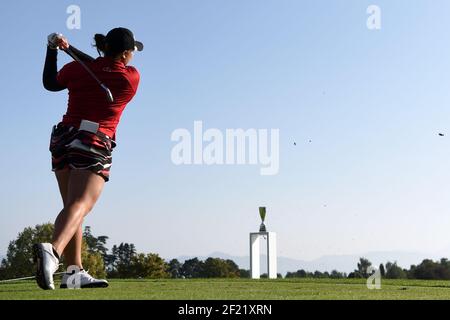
(236, 289)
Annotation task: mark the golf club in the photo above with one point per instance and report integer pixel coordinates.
(26, 278)
(104, 87)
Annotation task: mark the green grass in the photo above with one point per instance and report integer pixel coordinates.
(226, 289)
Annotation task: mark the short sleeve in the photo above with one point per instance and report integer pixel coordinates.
(65, 74)
(133, 77)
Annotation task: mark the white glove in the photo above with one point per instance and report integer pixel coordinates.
(53, 40)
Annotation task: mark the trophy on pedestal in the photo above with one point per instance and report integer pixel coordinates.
(262, 214)
(271, 240)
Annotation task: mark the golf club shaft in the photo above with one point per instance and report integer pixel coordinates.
(26, 278)
(104, 87)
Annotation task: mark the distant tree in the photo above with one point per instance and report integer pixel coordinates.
(219, 268)
(301, 274)
(150, 266)
(426, 270)
(411, 274)
(3, 270)
(111, 261)
(19, 258)
(95, 244)
(175, 268)
(382, 270)
(337, 275)
(214, 268)
(318, 274)
(363, 266)
(361, 271)
(444, 269)
(298, 274)
(394, 272)
(233, 269)
(244, 273)
(430, 270)
(354, 275)
(192, 268)
(120, 261)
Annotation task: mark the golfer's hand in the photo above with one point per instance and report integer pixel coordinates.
(57, 40)
(63, 44)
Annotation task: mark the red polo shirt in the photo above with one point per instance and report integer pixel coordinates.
(87, 100)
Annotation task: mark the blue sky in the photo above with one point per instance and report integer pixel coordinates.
(376, 175)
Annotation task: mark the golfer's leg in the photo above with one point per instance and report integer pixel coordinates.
(62, 176)
(83, 191)
(72, 252)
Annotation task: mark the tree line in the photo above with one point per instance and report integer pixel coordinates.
(123, 261)
(426, 270)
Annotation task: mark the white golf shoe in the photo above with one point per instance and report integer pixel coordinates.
(81, 280)
(47, 264)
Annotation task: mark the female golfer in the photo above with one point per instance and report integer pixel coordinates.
(82, 143)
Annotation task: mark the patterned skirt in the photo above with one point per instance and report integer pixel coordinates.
(83, 150)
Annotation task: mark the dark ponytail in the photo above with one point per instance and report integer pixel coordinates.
(100, 43)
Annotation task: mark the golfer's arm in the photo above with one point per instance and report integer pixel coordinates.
(50, 72)
(80, 54)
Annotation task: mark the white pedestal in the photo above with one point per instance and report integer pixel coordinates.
(271, 254)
